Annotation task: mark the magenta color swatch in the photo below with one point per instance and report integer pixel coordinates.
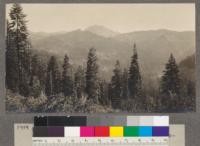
(87, 131)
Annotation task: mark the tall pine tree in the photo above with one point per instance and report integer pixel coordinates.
(125, 91)
(116, 86)
(92, 76)
(79, 82)
(170, 86)
(35, 83)
(67, 81)
(135, 81)
(103, 95)
(12, 75)
(17, 25)
(34, 67)
(170, 83)
(53, 79)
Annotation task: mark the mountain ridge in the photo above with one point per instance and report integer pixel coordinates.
(154, 48)
(102, 31)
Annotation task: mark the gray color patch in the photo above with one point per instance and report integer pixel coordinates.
(133, 120)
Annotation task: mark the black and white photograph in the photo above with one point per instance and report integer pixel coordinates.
(100, 58)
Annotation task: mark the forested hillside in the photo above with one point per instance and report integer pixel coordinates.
(91, 72)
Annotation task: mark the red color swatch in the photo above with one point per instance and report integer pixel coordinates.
(101, 131)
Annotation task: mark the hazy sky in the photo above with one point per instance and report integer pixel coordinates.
(118, 17)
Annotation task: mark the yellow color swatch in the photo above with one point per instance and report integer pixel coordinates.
(116, 131)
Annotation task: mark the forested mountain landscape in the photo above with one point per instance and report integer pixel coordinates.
(98, 70)
(163, 42)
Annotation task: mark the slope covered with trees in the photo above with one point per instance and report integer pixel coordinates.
(50, 83)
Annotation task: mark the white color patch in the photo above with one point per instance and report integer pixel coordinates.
(161, 121)
(72, 131)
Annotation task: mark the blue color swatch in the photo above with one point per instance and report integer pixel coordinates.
(145, 131)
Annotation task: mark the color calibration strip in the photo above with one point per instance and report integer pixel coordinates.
(101, 131)
(23, 137)
(73, 130)
(77, 126)
(101, 120)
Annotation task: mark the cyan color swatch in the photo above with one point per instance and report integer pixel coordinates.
(145, 131)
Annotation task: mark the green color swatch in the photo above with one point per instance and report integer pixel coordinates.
(131, 131)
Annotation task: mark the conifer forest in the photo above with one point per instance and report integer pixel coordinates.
(85, 81)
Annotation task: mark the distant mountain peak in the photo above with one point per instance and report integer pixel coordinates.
(101, 30)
